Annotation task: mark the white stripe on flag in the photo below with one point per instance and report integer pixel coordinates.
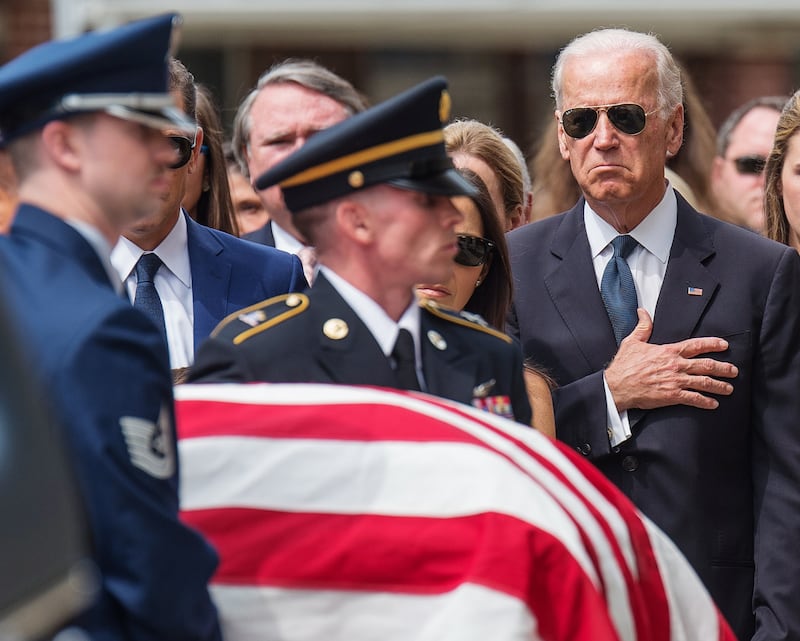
(468, 613)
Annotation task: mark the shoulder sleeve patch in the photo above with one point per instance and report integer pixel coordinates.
(150, 445)
(248, 322)
(465, 319)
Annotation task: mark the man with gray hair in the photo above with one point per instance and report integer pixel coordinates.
(673, 337)
(291, 102)
(737, 174)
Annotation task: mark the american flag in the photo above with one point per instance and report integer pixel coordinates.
(353, 513)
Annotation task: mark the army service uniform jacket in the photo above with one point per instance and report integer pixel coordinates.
(316, 337)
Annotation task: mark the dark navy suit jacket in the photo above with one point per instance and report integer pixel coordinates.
(229, 273)
(723, 483)
(262, 235)
(106, 372)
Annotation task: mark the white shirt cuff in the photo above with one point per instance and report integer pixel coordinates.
(618, 425)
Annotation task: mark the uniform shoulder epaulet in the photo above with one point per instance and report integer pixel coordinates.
(248, 322)
(465, 319)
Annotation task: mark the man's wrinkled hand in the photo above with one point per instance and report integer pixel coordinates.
(646, 376)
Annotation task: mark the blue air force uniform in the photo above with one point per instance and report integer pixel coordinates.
(106, 372)
(102, 364)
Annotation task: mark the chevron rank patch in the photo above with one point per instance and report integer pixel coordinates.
(150, 445)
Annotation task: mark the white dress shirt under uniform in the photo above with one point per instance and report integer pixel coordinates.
(648, 263)
(382, 328)
(173, 283)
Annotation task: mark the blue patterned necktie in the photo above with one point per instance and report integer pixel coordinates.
(147, 299)
(405, 361)
(618, 290)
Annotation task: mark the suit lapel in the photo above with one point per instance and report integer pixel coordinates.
(572, 286)
(347, 352)
(268, 238)
(211, 276)
(688, 286)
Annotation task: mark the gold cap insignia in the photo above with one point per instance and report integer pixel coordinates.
(445, 103)
(335, 329)
(355, 179)
(437, 340)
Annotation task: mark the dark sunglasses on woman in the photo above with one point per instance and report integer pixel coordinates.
(629, 118)
(473, 250)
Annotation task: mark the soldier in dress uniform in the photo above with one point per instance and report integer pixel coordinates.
(372, 194)
(82, 121)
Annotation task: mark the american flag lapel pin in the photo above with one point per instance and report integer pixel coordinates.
(694, 291)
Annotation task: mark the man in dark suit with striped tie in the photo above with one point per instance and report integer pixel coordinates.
(690, 404)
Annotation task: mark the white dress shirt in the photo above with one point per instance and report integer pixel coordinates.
(382, 328)
(284, 240)
(288, 243)
(648, 263)
(173, 283)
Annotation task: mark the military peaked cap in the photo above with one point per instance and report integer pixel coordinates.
(122, 71)
(399, 142)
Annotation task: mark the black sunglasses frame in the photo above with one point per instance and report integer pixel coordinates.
(184, 147)
(750, 165)
(473, 251)
(627, 117)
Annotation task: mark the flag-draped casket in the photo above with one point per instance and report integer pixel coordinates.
(346, 513)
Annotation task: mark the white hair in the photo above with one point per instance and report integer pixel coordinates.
(670, 88)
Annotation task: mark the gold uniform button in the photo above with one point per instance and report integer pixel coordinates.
(355, 179)
(335, 329)
(293, 300)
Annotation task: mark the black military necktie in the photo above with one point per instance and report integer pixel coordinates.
(405, 362)
(147, 299)
(618, 289)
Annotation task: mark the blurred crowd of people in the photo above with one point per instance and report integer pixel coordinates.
(631, 292)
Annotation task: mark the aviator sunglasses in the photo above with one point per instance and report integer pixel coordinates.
(629, 118)
(473, 250)
(752, 165)
(183, 146)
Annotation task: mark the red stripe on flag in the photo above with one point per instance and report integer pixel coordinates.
(346, 421)
(409, 555)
